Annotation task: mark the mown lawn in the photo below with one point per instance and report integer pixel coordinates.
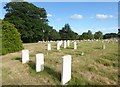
(96, 67)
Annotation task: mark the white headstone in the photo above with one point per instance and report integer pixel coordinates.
(68, 43)
(66, 69)
(49, 46)
(39, 62)
(103, 46)
(25, 56)
(75, 45)
(64, 44)
(58, 46)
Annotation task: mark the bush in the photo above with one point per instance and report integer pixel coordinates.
(11, 41)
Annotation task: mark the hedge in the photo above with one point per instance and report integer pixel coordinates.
(11, 41)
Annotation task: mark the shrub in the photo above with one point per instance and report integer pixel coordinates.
(11, 41)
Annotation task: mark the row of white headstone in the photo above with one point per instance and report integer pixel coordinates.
(65, 44)
(66, 65)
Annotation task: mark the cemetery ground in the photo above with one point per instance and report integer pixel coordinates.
(96, 67)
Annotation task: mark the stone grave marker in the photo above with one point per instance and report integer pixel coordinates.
(25, 56)
(39, 62)
(58, 46)
(75, 45)
(66, 69)
(49, 46)
(68, 43)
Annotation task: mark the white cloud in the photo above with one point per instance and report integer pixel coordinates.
(76, 16)
(104, 16)
(49, 15)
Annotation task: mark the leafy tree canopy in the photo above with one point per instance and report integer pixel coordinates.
(119, 33)
(98, 35)
(30, 20)
(110, 35)
(87, 35)
(67, 34)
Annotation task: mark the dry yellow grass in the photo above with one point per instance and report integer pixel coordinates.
(96, 66)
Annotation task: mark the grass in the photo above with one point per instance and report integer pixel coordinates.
(96, 67)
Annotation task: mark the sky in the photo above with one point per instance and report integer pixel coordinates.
(81, 16)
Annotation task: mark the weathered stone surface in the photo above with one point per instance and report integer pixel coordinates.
(66, 69)
(39, 62)
(25, 56)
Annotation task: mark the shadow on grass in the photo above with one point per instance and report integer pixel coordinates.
(97, 48)
(18, 58)
(69, 48)
(32, 65)
(76, 81)
(56, 76)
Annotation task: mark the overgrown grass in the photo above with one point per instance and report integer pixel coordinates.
(96, 66)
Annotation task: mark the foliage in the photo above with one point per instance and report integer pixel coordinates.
(90, 35)
(110, 35)
(119, 33)
(11, 41)
(28, 19)
(84, 36)
(54, 35)
(50, 34)
(98, 35)
(87, 35)
(31, 22)
(66, 33)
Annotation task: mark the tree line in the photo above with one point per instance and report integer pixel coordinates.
(26, 23)
(32, 23)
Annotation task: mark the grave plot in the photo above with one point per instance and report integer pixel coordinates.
(90, 64)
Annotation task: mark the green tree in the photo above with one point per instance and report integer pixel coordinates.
(84, 36)
(28, 19)
(110, 35)
(50, 34)
(54, 35)
(67, 34)
(118, 33)
(87, 35)
(90, 35)
(98, 35)
(11, 41)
